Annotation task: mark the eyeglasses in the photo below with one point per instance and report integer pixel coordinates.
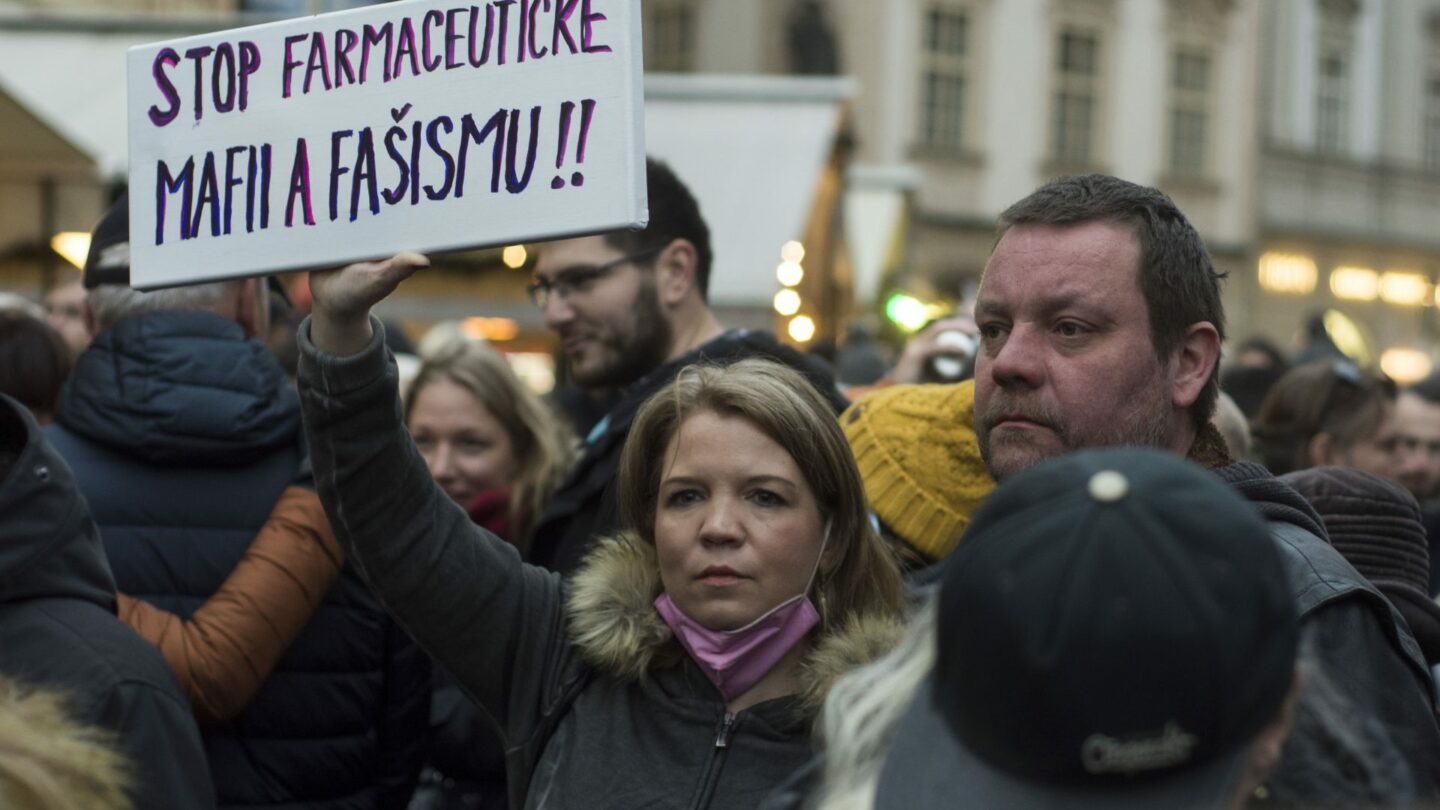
(574, 280)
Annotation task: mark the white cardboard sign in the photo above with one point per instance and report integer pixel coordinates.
(421, 125)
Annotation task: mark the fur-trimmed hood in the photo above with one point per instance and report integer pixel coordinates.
(614, 623)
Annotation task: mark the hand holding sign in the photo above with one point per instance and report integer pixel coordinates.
(428, 124)
(340, 319)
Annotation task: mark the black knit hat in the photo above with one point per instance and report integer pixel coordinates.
(1376, 525)
(108, 261)
(1113, 631)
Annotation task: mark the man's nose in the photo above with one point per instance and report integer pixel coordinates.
(1019, 361)
(558, 311)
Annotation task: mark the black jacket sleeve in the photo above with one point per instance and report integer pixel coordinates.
(462, 593)
(156, 732)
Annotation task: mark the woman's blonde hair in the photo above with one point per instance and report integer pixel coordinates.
(543, 443)
(860, 715)
(858, 574)
(49, 761)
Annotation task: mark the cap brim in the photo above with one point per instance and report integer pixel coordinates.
(927, 766)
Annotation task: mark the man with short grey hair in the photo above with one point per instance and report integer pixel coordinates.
(184, 434)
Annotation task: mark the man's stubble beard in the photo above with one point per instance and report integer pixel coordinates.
(636, 352)
(1146, 425)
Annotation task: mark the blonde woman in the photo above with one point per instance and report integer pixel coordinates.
(684, 664)
(489, 441)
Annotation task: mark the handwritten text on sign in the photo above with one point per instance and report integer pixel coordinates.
(415, 125)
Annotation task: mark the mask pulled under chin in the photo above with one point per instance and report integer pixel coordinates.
(736, 660)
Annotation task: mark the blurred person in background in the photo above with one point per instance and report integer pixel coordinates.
(66, 312)
(280, 337)
(1250, 371)
(1417, 419)
(499, 451)
(34, 363)
(490, 442)
(631, 309)
(860, 360)
(1233, 426)
(1328, 413)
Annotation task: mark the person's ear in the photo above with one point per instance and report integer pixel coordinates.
(87, 317)
(675, 272)
(1194, 362)
(1320, 450)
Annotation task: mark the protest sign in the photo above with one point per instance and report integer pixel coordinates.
(422, 125)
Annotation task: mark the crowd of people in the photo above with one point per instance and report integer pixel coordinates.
(1121, 563)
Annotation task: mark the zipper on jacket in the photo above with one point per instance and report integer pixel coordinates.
(711, 775)
(722, 738)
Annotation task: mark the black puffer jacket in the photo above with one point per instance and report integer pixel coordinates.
(586, 506)
(182, 435)
(58, 627)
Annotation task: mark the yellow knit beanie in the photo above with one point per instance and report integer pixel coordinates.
(916, 448)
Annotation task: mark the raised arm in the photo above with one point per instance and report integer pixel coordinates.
(227, 649)
(463, 593)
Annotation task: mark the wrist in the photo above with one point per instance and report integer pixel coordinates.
(340, 335)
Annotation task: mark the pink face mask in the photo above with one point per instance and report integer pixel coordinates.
(736, 660)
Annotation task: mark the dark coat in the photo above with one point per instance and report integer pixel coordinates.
(593, 713)
(586, 507)
(1361, 643)
(58, 627)
(183, 434)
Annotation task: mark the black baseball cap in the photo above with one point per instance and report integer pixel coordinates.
(1112, 631)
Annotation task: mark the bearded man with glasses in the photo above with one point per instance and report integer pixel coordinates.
(631, 309)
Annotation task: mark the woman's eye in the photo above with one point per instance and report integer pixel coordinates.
(473, 445)
(682, 497)
(765, 497)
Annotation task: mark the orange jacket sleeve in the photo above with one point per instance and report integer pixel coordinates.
(229, 646)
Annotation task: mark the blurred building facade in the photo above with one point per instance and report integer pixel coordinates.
(1302, 137)
(1348, 203)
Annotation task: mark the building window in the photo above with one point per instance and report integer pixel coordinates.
(1077, 98)
(669, 35)
(1332, 102)
(945, 78)
(1333, 76)
(1190, 112)
(1432, 101)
